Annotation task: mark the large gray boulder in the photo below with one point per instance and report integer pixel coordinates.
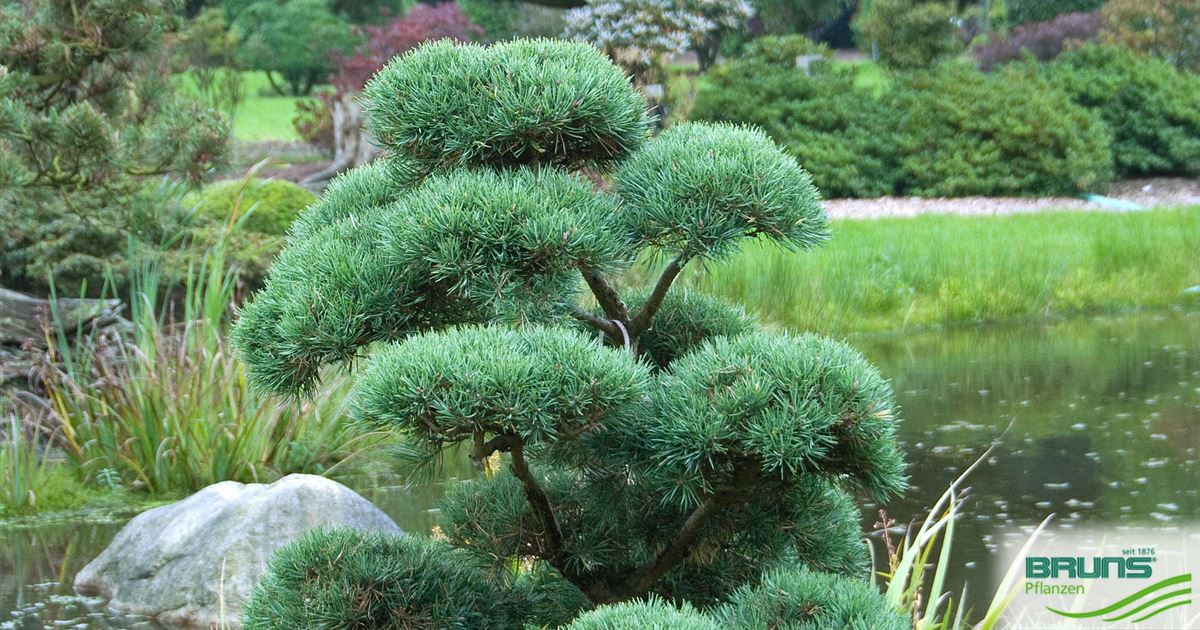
(194, 562)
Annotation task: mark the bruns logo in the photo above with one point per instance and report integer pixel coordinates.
(1055, 567)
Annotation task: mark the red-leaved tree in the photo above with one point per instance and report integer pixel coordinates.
(425, 22)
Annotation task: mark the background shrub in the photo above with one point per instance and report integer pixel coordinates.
(1011, 132)
(272, 206)
(275, 203)
(1168, 29)
(291, 38)
(841, 134)
(1152, 109)
(424, 22)
(782, 50)
(1022, 11)
(1042, 40)
(795, 16)
(910, 34)
(509, 19)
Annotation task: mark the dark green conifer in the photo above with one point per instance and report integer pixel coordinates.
(92, 136)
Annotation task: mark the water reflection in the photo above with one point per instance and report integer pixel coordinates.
(1100, 422)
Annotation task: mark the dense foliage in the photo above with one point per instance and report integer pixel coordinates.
(803, 600)
(343, 578)
(649, 613)
(1022, 11)
(509, 19)
(293, 39)
(455, 267)
(270, 205)
(1040, 40)
(909, 33)
(89, 120)
(1009, 132)
(843, 135)
(1168, 29)
(447, 95)
(1152, 109)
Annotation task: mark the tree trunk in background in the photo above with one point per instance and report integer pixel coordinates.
(353, 144)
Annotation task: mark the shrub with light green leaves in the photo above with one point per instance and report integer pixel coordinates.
(1152, 109)
(270, 205)
(909, 34)
(1009, 132)
(782, 50)
(672, 449)
(652, 614)
(252, 215)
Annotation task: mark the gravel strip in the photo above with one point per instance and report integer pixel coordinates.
(1148, 193)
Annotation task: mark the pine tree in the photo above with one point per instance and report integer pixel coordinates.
(89, 125)
(661, 446)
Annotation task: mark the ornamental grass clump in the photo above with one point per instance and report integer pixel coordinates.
(641, 446)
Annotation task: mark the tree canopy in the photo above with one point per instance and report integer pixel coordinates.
(638, 444)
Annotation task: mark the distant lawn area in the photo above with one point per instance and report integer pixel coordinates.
(262, 116)
(931, 271)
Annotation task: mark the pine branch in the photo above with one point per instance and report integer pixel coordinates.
(645, 318)
(605, 294)
(552, 550)
(680, 545)
(599, 323)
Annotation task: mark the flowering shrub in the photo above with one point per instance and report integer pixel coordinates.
(638, 33)
(1043, 40)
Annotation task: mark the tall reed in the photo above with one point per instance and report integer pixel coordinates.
(915, 581)
(166, 406)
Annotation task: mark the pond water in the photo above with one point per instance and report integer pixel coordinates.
(1098, 421)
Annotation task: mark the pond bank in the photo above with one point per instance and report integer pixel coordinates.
(937, 271)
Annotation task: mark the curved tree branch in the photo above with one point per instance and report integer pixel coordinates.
(641, 323)
(599, 323)
(552, 549)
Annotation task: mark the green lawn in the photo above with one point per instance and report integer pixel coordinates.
(931, 271)
(263, 115)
